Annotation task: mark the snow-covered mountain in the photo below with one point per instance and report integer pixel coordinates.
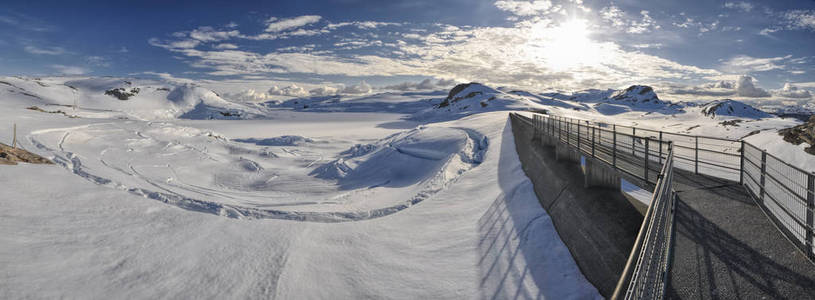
(637, 95)
(469, 98)
(108, 97)
(732, 108)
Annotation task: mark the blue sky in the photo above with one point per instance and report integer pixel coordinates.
(687, 49)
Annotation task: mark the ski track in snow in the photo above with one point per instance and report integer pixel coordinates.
(73, 163)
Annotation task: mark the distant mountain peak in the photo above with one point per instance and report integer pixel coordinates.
(637, 94)
(732, 108)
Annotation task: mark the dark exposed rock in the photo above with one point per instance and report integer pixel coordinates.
(11, 156)
(122, 93)
(731, 123)
(457, 89)
(804, 133)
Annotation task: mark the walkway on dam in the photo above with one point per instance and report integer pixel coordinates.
(725, 246)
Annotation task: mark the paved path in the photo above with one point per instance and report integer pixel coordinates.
(726, 248)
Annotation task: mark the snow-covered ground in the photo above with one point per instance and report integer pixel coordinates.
(168, 191)
(155, 197)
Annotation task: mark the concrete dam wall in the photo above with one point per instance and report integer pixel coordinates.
(593, 218)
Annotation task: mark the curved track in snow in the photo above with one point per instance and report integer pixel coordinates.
(182, 194)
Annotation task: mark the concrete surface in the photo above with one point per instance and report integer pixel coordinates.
(726, 248)
(597, 224)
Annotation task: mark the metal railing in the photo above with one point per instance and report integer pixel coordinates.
(786, 193)
(639, 157)
(646, 270)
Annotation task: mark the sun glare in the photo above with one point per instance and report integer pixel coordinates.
(568, 45)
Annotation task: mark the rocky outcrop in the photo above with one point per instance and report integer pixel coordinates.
(804, 133)
(11, 156)
(122, 93)
(637, 94)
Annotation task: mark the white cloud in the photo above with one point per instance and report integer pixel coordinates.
(790, 91)
(98, 61)
(226, 46)
(361, 88)
(361, 24)
(209, 34)
(722, 88)
(45, 50)
(249, 95)
(644, 25)
(525, 55)
(292, 90)
(426, 84)
(800, 19)
(746, 88)
(69, 70)
(614, 15)
(527, 8)
(768, 31)
(748, 64)
(739, 5)
(181, 44)
(619, 20)
(325, 91)
(275, 25)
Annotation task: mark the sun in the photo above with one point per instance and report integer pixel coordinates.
(567, 45)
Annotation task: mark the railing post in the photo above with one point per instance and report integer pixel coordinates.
(14, 140)
(646, 160)
(578, 137)
(763, 174)
(696, 160)
(559, 130)
(660, 147)
(614, 145)
(633, 141)
(810, 207)
(593, 140)
(741, 164)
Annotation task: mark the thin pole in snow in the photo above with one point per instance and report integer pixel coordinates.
(14, 141)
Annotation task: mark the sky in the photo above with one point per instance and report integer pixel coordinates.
(754, 50)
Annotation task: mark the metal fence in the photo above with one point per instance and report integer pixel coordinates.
(637, 156)
(648, 266)
(644, 158)
(785, 192)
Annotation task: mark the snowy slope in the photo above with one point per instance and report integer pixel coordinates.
(732, 108)
(170, 204)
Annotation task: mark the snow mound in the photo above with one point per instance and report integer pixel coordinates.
(470, 98)
(732, 108)
(429, 155)
(285, 140)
